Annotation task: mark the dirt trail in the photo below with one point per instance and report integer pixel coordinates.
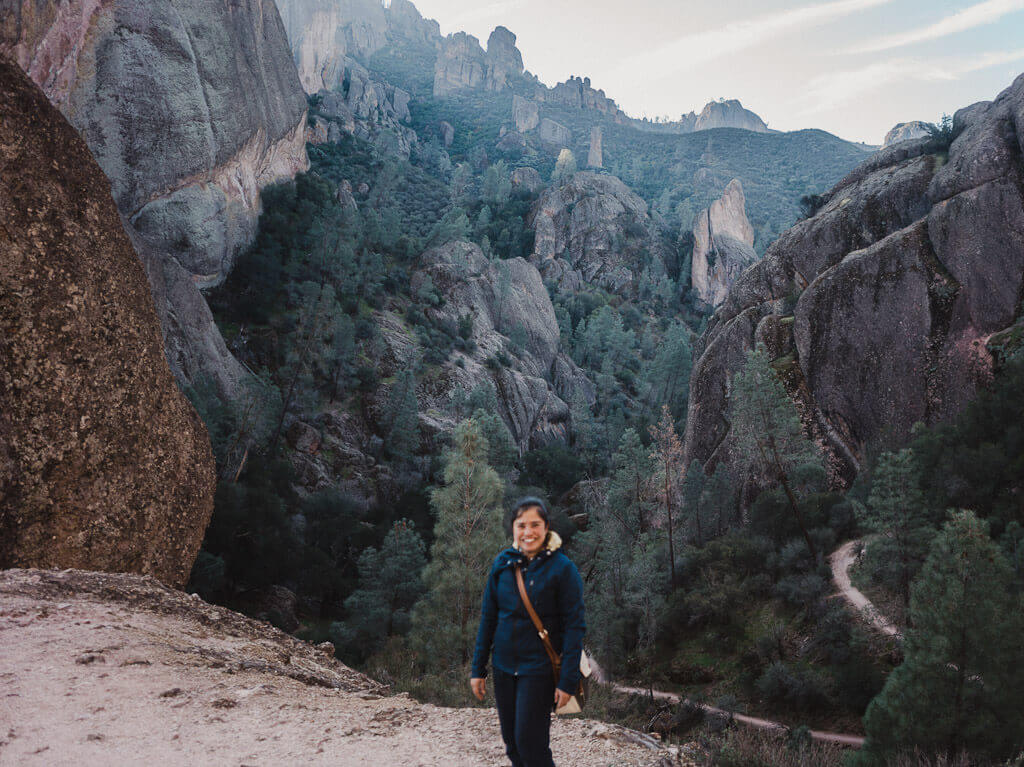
(841, 560)
(99, 669)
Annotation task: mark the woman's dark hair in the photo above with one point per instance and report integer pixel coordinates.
(529, 502)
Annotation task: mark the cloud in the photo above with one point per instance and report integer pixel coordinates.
(975, 16)
(831, 90)
(709, 44)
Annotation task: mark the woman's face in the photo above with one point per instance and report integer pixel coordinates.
(529, 532)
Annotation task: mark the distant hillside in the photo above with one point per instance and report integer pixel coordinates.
(676, 171)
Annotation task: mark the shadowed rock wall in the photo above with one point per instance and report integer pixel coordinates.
(881, 308)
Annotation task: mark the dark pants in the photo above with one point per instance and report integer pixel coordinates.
(524, 710)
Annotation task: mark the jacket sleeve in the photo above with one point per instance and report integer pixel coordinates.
(570, 599)
(488, 623)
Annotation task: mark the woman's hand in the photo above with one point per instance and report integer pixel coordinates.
(561, 697)
(479, 687)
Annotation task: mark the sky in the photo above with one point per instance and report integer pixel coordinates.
(854, 68)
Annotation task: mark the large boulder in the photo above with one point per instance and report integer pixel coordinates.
(887, 297)
(190, 107)
(104, 465)
(593, 229)
(907, 132)
(723, 245)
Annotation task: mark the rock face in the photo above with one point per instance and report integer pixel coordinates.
(525, 114)
(461, 64)
(725, 114)
(326, 34)
(366, 107)
(576, 92)
(595, 156)
(593, 229)
(504, 61)
(103, 463)
(527, 178)
(887, 297)
(533, 390)
(190, 107)
(554, 134)
(723, 245)
(906, 132)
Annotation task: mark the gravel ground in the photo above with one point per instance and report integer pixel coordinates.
(100, 669)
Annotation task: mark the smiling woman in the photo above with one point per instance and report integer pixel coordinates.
(526, 684)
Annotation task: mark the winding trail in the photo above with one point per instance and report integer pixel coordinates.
(840, 561)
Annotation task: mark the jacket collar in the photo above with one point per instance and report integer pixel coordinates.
(513, 556)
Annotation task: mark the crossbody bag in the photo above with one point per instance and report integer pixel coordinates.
(576, 701)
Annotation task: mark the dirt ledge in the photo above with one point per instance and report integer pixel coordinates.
(109, 669)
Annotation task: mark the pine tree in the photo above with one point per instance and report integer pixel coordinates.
(896, 512)
(390, 583)
(402, 418)
(959, 687)
(667, 376)
(767, 431)
(668, 455)
(467, 536)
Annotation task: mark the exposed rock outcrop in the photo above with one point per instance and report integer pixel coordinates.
(190, 108)
(366, 107)
(723, 114)
(324, 34)
(723, 245)
(527, 178)
(595, 156)
(553, 133)
(593, 229)
(504, 61)
(103, 463)
(525, 114)
(461, 64)
(577, 92)
(906, 132)
(892, 292)
(503, 306)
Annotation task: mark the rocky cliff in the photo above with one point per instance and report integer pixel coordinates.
(190, 107)
(723, 245)
(463, 64)
(906, 132)
(103, 463)
(326, 35)
(365, 106)
(593, 229)
(882, 307)
(506, 300)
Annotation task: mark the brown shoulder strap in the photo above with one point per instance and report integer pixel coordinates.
(556, 661)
